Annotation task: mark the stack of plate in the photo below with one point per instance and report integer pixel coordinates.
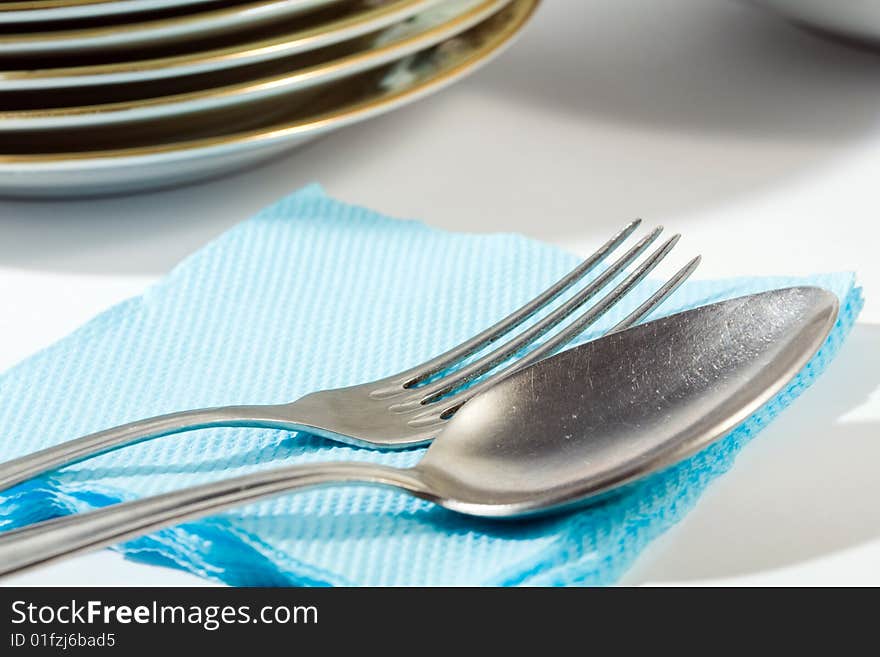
(109, 96)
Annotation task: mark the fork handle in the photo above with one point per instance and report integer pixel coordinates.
(31, 546)
(73, 451)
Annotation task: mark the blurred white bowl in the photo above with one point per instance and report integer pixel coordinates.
(852, 19)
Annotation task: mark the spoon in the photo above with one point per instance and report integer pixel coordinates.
(559, 433)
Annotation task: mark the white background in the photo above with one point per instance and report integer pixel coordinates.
(759, 143)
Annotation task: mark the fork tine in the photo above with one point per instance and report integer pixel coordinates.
(442, 412)
(606, 303)
(459, 377)
(516, 318)
(658, 297)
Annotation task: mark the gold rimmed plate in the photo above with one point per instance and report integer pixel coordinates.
(391, 44)
(192, 32)
(109, 38)
(20, 12)
(118, 161)
(360, 18)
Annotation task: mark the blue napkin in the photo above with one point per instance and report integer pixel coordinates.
(313, 294)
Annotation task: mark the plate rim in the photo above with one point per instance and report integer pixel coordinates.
(290, 43)
(35, 11)
(101, 114)
(176, 28)
(523, 10)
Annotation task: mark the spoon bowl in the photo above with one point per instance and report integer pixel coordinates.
(615, 410)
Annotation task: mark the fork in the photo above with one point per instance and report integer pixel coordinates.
(409, 408)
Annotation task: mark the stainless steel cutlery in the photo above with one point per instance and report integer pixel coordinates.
(563, 431)
(411, 407)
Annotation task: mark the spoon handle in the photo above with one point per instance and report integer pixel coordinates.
(44, 542)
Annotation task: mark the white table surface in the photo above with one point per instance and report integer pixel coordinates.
(759, 143)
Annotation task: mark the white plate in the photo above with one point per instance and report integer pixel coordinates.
(369, 18)
(396, 42)
(177, 31)
(146, 167)
(854, 19)
(37, 11)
